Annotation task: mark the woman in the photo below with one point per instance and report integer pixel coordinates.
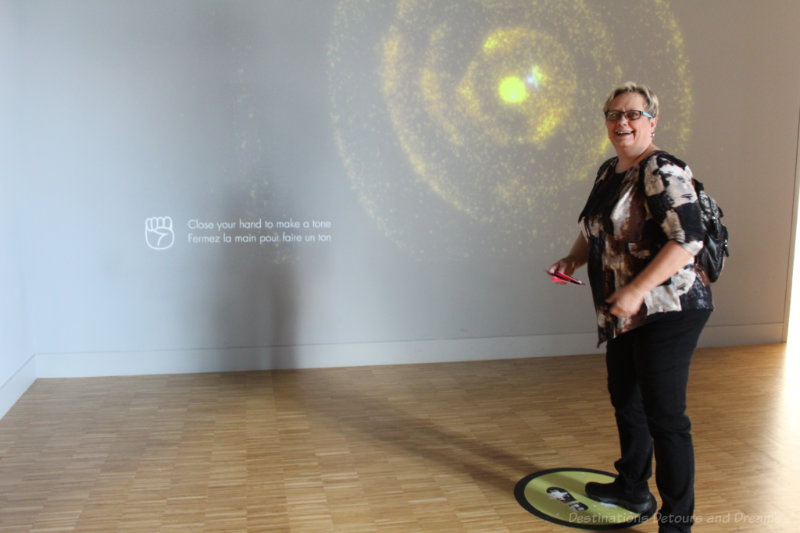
(640, 231)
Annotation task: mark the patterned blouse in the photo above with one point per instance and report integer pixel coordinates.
(628, 218)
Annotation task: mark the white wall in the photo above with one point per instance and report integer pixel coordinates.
(17, 369)
(275, 110)
(17, 365)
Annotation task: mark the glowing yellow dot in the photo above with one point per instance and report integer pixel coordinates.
(512, 90)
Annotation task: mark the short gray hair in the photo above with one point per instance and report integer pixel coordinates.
(650, 98)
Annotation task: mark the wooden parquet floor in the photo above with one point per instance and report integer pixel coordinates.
(410, 448)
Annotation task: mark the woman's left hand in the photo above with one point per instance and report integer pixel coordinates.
(626, 301)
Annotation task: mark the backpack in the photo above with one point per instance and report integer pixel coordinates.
(715, 243)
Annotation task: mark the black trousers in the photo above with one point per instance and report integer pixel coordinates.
(648, 373)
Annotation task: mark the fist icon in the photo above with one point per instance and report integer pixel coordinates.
(158, 233)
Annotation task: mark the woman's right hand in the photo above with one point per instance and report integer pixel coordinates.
(565, 265)
(577, 257)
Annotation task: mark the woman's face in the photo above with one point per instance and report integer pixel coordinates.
(630, 138)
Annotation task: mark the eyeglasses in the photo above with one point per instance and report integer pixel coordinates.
(631, 114)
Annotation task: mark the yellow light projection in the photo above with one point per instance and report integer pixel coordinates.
(476, 126)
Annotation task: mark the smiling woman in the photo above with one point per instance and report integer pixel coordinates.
(640, 230)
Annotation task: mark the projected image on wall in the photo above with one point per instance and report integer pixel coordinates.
(475, 127)
(355, 172)
(327, 171)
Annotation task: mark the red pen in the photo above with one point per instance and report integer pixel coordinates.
(560, 276)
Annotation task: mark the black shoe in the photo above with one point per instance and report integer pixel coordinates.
(640, 502)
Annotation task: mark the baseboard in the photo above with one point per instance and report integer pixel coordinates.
(65, 365)
(308, 356)
(742, 335)
(16, 385)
